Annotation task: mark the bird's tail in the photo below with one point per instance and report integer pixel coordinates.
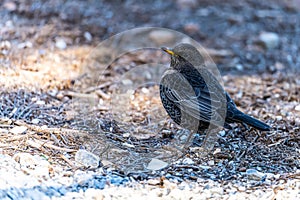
(242, 117)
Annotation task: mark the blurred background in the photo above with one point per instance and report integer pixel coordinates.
(260, 36)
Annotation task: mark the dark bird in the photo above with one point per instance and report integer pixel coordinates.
(194, 98)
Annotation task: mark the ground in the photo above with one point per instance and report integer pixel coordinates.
(57, 97)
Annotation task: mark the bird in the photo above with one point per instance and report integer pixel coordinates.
(194, 98)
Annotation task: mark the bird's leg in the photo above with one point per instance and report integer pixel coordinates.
(189, 140)
(207, 145)
(210, 140)
(183, 139)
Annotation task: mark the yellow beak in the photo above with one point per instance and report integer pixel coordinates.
(168, 51)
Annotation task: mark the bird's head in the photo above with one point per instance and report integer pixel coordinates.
(184, 53)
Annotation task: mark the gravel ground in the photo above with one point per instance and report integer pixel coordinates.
(31, 180)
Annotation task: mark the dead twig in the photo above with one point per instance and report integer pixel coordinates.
(39, 144)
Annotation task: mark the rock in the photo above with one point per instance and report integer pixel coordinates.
(18, 130)
(242, 188)
(126, 135)
(278, 118)
(35, 121)
(125, 144)
(239, 67)
(60, 43)
(87, 159)
(253, 174)
(222, 133)
(127, 82)
(161, 37)
(297, 108)
(269, 40)
(211, 162)
(156, 164)
(188, 161)
(5, 45)
(88, 36)
(24, 45)
(40, 102)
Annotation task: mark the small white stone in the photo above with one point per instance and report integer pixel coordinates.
(18, 130)
(253, 174)
(35, 121)
(297, 108)
(278, 118)
(88, 36)
(87, 159)
(211, 162)
(9, 24)
(40, 102)
(5, 45)
(269, 39)
(242, 189)
(127, 82)
(188, 161)
(156, 164)
(239, 67)
(60, 43)
(126, 135)
(128, 145)
(222, 133)
(24, 45)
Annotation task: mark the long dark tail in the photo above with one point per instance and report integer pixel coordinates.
(242, 117)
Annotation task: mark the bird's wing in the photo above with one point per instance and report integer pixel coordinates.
(195, 98)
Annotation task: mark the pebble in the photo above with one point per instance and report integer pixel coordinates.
(242, 188)
(88, 36)
(222, 133)
(239, 67)
(297, 108)
(161, 37)
(253, 174)
(270, 40)
(188, 161)
(87, 159)
(60, 43)
(211, 162)
(24, 45)
(18, 130)
(156, 164)
(278, 118)
(127, 82)
(35, 121)
(5, 45)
